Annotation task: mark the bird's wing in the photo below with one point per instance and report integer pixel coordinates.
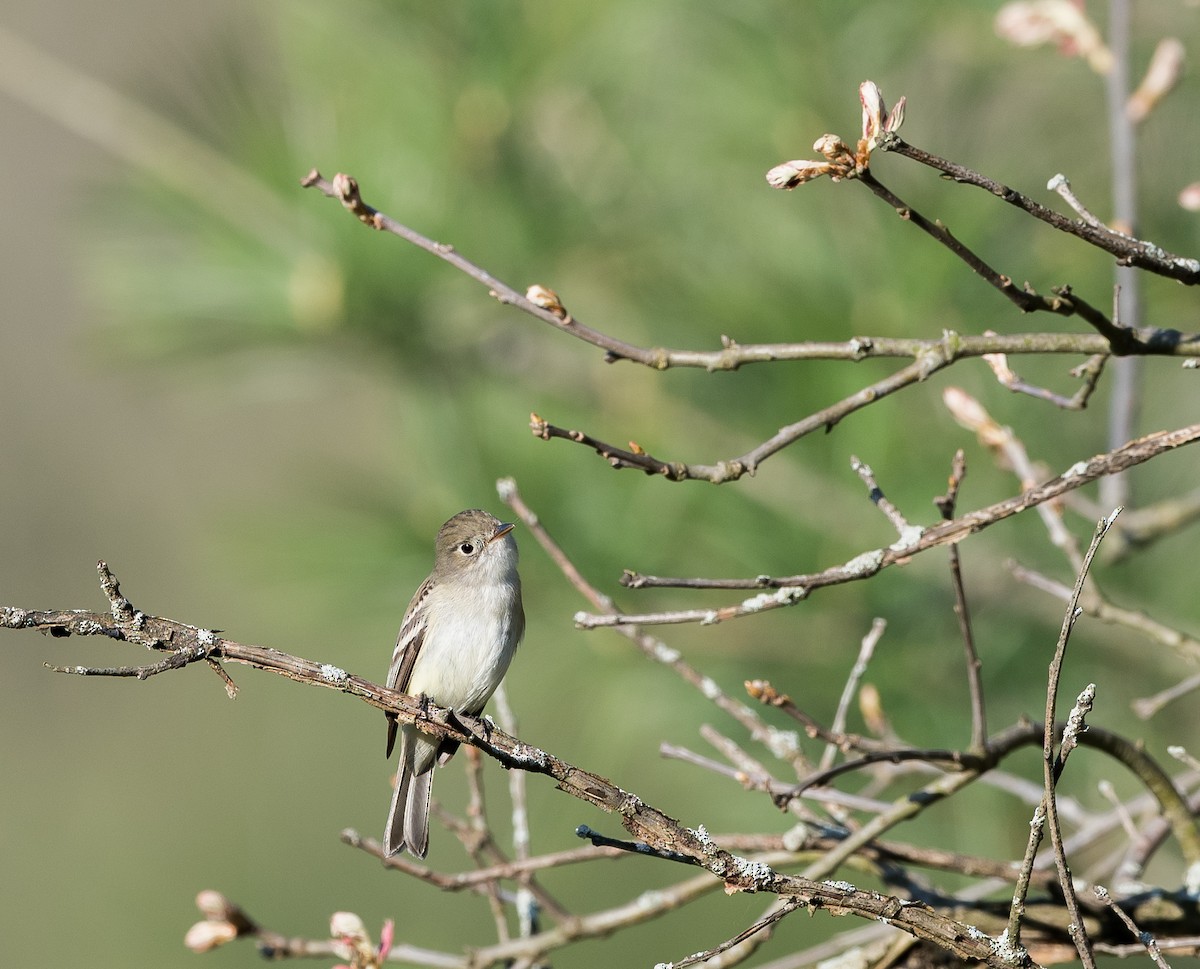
(408, 647)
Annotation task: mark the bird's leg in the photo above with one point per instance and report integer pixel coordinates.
(424, 700)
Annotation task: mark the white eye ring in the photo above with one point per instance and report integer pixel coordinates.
(467, 548)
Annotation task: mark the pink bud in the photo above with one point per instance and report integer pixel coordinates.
(969, 413)
(793, 173)
(348, 926)
(965, 409)
(213, 905)
(1189, 198)
(873, 109)
(386, 935)
(833, 148)
(1164, 72)
(206, 936)
(1059, 22)
(999, 364)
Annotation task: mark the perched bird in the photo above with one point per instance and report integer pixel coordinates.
(458, 637)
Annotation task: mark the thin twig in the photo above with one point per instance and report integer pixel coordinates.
(778, 910)
(527, 906)
(1096, 606)
(879, 499)
(1144, 938)
(782, 744)
(473, 879)
(829, 798)
(1052, 763)
(1145, 525)
(1062, 185)
(1148, 706)
(1025, 300)
(1010, 454)
(946, 504)
(477, 837)
(1089, 372)
(865, 651)
(731, 469)
(1133, 252)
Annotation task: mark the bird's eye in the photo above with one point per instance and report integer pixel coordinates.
(467, 548)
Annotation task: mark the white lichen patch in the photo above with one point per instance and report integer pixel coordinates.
(206, 637)
(866, 564)
(665, 654)
(909, 536)
(1005, 949)
(780, 597)
(783, 743)
(756, 872)
(333, 674)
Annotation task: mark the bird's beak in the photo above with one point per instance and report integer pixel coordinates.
(503, 529)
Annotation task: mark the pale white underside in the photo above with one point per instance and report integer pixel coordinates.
(459, 665)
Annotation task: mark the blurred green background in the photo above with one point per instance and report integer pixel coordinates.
(258, 412)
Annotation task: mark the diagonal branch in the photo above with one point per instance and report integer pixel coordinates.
(792, 589)
(1129, 251)
(941, 355)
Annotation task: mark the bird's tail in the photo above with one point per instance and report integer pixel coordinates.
(408, 819)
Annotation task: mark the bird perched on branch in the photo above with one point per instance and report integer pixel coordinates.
(458, 636)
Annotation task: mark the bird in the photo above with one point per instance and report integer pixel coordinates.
(456, 642)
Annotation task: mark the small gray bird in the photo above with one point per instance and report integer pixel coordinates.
(459, 635)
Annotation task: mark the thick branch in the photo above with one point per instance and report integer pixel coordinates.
(643, 821)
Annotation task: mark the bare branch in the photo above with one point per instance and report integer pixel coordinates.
(1128, 251)
(879, 499)
(1053, 764)
(1145, 938)
(1026, 300)
(1094, 604)
(733, 355)
(777, 911)
(940, 356)
(1088, 371)
(946, 504)
(795, 588)
(865, 651)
